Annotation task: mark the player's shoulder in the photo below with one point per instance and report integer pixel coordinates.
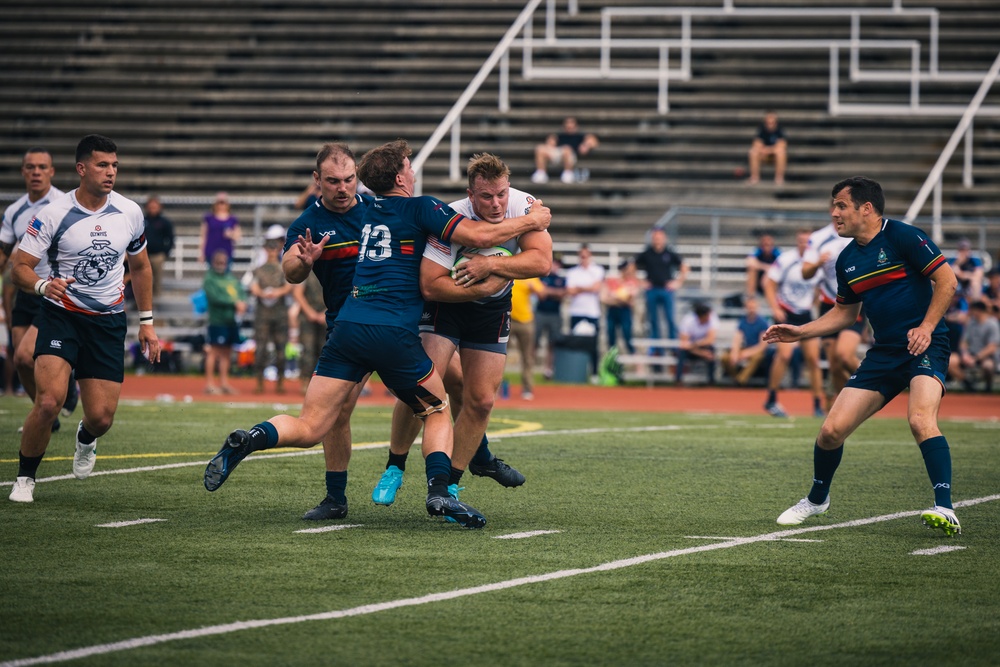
(519, 202)
(124, 204)
(15, 207)
(463, 206)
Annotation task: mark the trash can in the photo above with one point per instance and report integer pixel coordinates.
(572, 358)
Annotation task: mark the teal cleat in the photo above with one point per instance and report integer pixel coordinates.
(384, 492)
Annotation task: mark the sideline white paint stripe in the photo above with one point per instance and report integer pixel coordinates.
(707, 537)
(226, 628)
(530, 533)
(935, 551)
(374, 445)
(327, 529)
(123, 524)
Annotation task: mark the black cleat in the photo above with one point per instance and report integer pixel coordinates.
(235, 449)
(499, 471)
(464, 515)
(328, 509)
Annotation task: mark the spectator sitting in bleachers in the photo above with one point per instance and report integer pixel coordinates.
(564, 148)
(748, 353)
(991, 293)
(969, 270)
(698, 331)
(769, 145)
(979, 349)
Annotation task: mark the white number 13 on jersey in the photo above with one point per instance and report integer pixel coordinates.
(375, 243)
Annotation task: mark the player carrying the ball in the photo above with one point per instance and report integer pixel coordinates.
(479, 329)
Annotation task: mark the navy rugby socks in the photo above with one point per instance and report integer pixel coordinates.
(937, 460)
(438, 472)
(825, 462)
(483, 455)
(263, 436)
(336, 486)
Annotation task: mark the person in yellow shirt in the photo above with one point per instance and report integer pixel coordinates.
(522, 329)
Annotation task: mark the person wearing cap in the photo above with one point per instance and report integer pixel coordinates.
(270, 323)
(969, 270)
(220, 230)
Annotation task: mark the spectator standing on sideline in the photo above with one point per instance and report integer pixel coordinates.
(906, 284)
(226, 301)
(312, 325)
(748, 350)
(698, 332)
(955, 319)
(548, 314)
(770, 145)
(73, 255)
(583, 287)
(270, 317)
(979, 347)
(522, 329)
(618, 296)
(666, 272)
(565, 148)
(759, 261)
(791, 297)
(159, 240)
(220, 230)
(24, 308)
(969, 270)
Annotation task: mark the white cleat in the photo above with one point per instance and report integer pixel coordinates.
(23, 491)
(801, 511)
(939, 517)
(84, 458)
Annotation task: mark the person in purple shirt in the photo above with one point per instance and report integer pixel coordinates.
(220, 230)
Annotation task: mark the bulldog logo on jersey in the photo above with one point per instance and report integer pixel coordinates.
(98, 260)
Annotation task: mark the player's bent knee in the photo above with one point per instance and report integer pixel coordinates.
(421, 401)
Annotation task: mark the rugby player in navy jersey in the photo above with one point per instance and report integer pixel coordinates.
(376, 329)
(324, 240)
(905, 284)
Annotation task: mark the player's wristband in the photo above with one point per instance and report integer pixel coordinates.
(146, 317)
(41, 286)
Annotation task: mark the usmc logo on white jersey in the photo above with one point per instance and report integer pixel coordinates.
(97, 260)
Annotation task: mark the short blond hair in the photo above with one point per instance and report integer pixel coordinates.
(487, 167)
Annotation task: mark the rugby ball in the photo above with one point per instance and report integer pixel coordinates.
(495, 251)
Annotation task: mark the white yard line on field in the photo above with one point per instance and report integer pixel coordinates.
(124, 524)
(226, 628)
(935, 551)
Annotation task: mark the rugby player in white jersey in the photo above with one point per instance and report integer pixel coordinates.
(477, 327)
(21, 307)
(842, 347)
(73, 254)
(791, 297)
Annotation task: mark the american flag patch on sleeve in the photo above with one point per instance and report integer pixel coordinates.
(34, 226)
(436, 243)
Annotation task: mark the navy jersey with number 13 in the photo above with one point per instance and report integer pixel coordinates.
(387, 278)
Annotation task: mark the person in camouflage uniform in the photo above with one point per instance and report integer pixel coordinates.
(312, 325)
(270, 324)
